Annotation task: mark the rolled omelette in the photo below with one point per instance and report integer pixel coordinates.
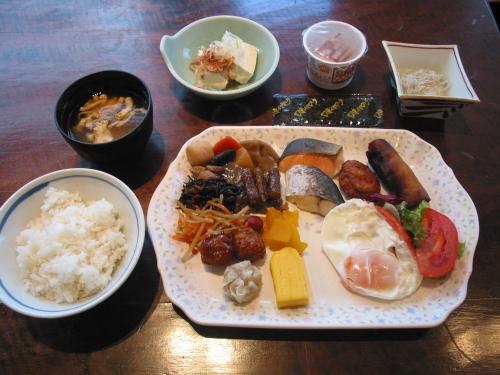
(395, 174)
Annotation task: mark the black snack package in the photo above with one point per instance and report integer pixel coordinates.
(353, 111)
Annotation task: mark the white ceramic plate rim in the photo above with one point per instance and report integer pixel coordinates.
(474, 98)
(39, 183)
(178, 300)
(216, 93)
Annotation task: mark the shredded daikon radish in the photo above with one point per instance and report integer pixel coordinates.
(424, 82)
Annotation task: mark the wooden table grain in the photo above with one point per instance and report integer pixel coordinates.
(47, 44)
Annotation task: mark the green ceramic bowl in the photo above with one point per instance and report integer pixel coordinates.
(180, 49)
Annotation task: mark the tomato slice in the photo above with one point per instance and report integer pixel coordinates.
(436, 253)
(397, 227)
(226, 143)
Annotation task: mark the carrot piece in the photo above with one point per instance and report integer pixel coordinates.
(226, 143)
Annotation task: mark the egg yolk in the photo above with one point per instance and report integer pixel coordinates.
(371, 269)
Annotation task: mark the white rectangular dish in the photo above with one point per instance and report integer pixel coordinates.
(443, 59)
(198, 291)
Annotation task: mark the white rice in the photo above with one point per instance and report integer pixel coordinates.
(70, 251)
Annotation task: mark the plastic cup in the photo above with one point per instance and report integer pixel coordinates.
(333, 50)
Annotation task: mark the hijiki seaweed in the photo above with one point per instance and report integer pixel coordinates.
(197, 192)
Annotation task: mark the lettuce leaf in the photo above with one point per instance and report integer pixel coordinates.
(412, 221)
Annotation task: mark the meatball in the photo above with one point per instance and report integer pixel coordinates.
(357, 180)
(248, 244)
(217, 250)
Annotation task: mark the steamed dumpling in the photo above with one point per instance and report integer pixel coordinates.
(242, 282)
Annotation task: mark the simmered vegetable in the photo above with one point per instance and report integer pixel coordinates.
(226, 143)
(243, 158)
(262, 154)
(199, 153)
(224, 157)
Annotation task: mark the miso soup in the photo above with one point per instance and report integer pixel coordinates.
(105, 118)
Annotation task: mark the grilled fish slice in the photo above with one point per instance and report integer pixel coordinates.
(320, 154)
(311, 190)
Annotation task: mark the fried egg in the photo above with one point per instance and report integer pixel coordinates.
(367, 253)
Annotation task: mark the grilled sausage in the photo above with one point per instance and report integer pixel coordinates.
(357, 181)
(248, 244)
(395, 174)
(217, 250)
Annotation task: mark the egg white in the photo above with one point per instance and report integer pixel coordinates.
(356, 226)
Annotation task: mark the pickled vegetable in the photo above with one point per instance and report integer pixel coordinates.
(281, 230)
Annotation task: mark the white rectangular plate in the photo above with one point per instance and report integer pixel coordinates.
(197, 290)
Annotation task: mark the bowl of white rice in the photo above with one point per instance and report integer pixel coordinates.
(68, 240)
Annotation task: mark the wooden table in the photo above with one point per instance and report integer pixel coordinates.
(45, 45)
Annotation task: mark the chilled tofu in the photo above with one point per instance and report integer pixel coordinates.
(245, 57)
(212, 80)
(289, 278)
(244, 64)
(229, 58)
